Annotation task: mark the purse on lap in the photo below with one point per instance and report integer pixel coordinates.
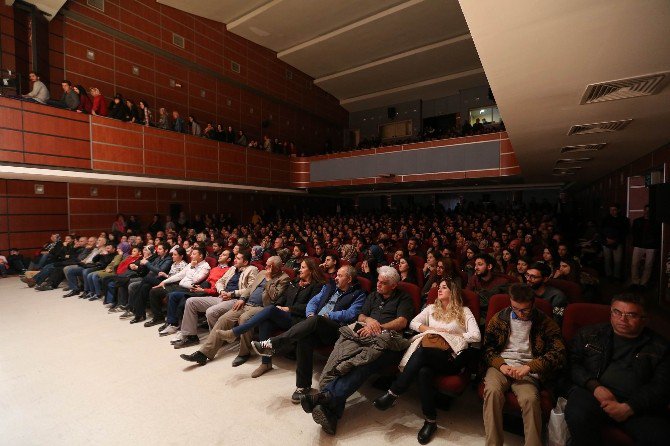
(435, 341)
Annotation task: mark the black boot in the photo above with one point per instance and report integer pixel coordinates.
(385, 401)
(427, 431)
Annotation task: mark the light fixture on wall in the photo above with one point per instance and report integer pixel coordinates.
(174, 194)
(229, 102)
(138, 193)
(94, 191)
(202, 93)
(136, 71)
(90, 54)
(172, 83)
(39, 189)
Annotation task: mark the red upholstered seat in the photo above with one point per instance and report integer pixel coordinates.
(572, 290)
(211, 261)
(290, 272)
(580, 315)
(259, 265)
(414, 292)
(266, 256)
(366, 284)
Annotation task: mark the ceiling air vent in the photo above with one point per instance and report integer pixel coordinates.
(97, 4)
(598, 127)
(624, 88)
(583, 148)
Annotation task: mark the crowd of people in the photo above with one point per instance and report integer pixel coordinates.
(430, 133)
(92, 101)
(379, 290)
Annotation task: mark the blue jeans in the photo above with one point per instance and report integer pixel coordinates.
(41, 263)
(343, 387)
(174, 299)
(109, 297)
(93, 283)
(71, 274)
(269, 319)
(44, 273)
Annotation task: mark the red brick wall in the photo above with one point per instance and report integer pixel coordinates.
(28, 219)
(295, 109)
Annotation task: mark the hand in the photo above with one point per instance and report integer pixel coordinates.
(225, 295)
(505, 370)
(162, 274)
(133, 266)
(617, 411)
(603, 394)
(197, 289)
(373, 325)
(238, 305)
(194, 263)
(160, 285)
(287, 309)
(519, 372)
(310, 315)
(365, 332)
(144, 262)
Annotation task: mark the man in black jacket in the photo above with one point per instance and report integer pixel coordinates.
(614, 232)
(621, 374)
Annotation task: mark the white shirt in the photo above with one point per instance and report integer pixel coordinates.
(470, 332)
(190, 276)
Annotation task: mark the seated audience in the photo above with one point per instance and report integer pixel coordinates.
(537, 276)
(117, 108)
(69, 100)
(85, 104)
(99, 106)
(39, 92)
(484, 281)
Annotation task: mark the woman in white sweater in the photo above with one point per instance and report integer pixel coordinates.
(447, 317)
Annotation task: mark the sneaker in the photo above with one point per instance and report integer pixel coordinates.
(114, 309)
(109, 305)
(177, 338)
(44, 287)
(126, 314)
(187, 341)
(300, 391)
(263, 348)
(170, 329)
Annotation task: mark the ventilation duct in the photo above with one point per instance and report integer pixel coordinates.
(624, 88)
(583, 148)
(598, 127)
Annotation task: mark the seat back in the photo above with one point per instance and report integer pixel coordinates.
(414, 292)
(432, 296)
(211, 261)
(259, 265)
(471, 300)
(366, 284)
(580, 315)
(572, 290)
(289, 272)
(500, 301)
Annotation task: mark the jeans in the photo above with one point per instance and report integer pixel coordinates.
(585, 419)
(176, 299)
(93, 283)
(72, 273)
(344, 386)
(44, 273)
(308, 334)
(425, 363)
(269, 319)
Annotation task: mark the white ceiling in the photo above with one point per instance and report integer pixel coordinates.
(540, 56)
(367, 53)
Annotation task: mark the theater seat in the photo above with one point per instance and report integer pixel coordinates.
(580, 315)
(259, 265)
(211, 261)
(454, 385)
(547, 400)
(289, 272)
(572, 290)
(414, 292)
(366, 284)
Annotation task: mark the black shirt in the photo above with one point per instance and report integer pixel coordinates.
(619, 376)
(399, 304)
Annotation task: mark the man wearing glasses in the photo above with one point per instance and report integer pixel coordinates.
(537, 276)
(621, 376)
(523, 349)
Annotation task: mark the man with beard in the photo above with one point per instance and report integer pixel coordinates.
(537, 276)
(485, 282)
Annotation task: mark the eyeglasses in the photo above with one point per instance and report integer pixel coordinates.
(622, 315)
(531, 276)
(521, 310)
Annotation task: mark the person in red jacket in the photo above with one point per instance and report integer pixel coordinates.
(99, 107)
(85, 103)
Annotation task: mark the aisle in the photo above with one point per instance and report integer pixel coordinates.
(72, 374)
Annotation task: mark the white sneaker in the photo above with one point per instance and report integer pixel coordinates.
(177, 338)
(170, 329)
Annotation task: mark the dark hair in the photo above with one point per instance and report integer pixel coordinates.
(411, 270)
(65, 81)
(521, 293)
(181, 251)
(166, 246)
(487, 258)
(629, 298)
(82, 90)
(542, 267)
(146, 104)
(246, 255)
(201, 250)
(36, 73)
(315, 272)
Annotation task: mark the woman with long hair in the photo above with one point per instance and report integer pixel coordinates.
(287, 311)
(407, 270)
(85, 104)
(444, 270)
(447, 317)
(143, 113)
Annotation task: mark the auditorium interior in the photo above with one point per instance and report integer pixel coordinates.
(413, 136)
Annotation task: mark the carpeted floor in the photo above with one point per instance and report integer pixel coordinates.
(72, 374)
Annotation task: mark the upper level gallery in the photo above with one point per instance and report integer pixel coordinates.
(34, 135)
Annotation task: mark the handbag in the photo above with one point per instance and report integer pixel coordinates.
(557, 429)
(435, 341)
